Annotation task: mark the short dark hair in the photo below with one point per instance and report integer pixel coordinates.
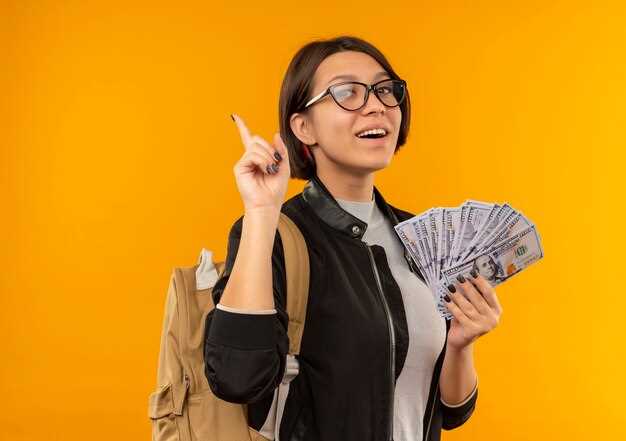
(296, 90)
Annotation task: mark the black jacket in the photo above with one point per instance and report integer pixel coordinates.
(355, 338)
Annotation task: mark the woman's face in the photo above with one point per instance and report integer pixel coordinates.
(334, 129)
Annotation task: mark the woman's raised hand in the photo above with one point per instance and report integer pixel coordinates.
(263, 171)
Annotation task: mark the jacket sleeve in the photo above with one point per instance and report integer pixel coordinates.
(245, 353)
(457, 414)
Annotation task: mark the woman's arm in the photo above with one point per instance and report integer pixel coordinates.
(458, 379)
(458, 385)
(250, 283)
(476, 311)
(245, 353)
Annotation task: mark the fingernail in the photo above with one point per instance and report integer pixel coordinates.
(474, 273)
(277, 156)
(275, 167)
(460, 278)
(451, 288)
(446, 297)
(232, 117)
(269, 170)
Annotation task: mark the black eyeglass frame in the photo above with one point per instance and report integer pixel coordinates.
(371, 87)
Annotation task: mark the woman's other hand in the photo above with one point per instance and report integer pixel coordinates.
(475, 308)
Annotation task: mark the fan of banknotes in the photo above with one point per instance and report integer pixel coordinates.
(494, 239)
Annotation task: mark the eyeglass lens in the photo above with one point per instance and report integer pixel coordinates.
(351, 96)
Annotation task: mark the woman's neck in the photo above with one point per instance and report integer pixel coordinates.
(348, 187)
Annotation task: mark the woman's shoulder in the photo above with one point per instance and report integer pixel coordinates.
(296, 209)
(292, 204)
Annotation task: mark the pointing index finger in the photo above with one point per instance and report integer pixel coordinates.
(243, 130)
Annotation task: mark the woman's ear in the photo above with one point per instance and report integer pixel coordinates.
(301, 127)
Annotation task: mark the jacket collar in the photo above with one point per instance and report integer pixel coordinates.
(330, 212)
(327, 208)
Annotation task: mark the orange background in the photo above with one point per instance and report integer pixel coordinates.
(116, 165)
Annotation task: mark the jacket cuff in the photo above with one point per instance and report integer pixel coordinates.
(469, 397)
(243, 331)
(245, 311)
(454, 415)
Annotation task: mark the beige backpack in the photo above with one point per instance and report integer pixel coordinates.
(183, 407)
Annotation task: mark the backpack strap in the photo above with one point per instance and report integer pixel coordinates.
(297, 275)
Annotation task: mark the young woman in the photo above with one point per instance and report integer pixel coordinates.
(377, 361)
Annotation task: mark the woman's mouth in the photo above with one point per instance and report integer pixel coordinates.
(376, 136)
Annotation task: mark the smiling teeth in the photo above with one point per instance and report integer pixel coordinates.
(372, 132)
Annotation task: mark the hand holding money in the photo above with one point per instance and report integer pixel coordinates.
(474, 304)
(493, 240)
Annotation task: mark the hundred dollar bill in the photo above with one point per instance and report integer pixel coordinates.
(462, 216)
(498, 264)
(512, 224)
(451, 220)
(492, 222)
(421, 231)
(407, 234)
(435, 218)
(476, 213)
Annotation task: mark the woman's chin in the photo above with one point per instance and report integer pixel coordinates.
(374, 163)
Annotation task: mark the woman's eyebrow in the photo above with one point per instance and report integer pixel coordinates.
(352, 77)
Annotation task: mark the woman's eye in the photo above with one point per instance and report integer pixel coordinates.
(342, 93)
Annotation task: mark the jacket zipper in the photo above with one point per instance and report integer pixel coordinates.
(392, 338)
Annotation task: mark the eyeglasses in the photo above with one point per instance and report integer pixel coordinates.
(353, 95)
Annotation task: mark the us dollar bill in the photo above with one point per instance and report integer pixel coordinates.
(476, 214)
(452, 220)
(406, 232)
(500, 262)
(513, 223)
(495, 239)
